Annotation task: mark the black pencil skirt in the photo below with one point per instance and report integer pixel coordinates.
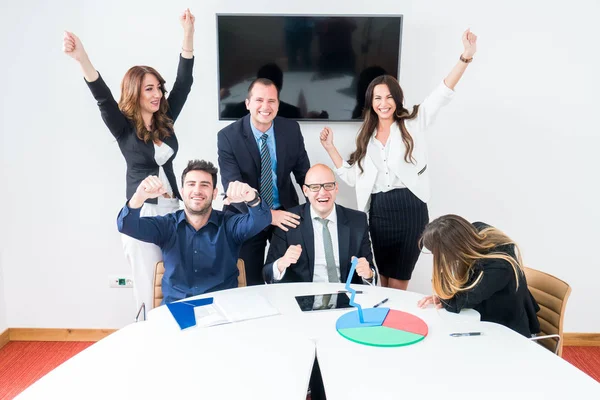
(396, 221)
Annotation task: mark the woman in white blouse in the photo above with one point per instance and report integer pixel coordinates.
(389, 167)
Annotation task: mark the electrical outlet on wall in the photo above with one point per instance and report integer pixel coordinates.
(120, 281)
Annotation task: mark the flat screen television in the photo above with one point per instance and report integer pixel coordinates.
(321, 63)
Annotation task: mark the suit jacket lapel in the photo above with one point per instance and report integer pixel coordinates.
(306, 226)
(280, 152)
(251, 143)
(343, 243)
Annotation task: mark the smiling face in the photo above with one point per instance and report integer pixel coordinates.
(322, 200)
(263, 105)
(198, 192)
(150, 95)
(383, 102)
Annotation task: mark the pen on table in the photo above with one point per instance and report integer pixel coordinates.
(380, 303)
(459, 334)
(345, 291)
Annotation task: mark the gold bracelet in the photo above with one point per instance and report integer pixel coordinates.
(189, 51)
(465, 60)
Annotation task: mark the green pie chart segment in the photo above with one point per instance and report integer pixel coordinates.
(380, 336)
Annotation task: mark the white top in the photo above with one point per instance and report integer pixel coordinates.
(386, 178)
(162, 154)
(415, 176)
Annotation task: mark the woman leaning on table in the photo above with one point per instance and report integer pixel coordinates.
(142, 123)
(477, 266)
(389, 167)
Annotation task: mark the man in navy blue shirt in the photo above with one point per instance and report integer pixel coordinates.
(200, 245)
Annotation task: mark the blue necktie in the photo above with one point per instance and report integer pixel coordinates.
(266, 175)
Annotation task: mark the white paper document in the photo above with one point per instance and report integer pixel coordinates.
(233, 307)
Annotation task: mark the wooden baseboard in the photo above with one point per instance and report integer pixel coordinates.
(58, 335)
(4, 338)
(581, 339)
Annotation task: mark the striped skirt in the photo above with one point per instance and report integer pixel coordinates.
(396, 221)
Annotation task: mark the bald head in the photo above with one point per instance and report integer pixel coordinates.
(321, 178)
(319, 172)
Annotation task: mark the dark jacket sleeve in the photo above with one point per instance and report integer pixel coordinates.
(109, 110)
(302, 164)
(228, 165)
(181, 87)
(496, 276)
(277, 249)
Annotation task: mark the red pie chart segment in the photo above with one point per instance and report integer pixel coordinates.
(406, 322)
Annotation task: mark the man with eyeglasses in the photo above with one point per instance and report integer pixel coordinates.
(328, 237)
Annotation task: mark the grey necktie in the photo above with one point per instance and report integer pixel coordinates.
(329, 257)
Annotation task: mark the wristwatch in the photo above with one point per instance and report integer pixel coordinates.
(254, 201)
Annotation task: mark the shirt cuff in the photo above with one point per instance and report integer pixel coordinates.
(444, 90)
(372, 281)
(277, 276)
(340, 171)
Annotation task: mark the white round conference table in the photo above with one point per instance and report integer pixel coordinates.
(272, 357)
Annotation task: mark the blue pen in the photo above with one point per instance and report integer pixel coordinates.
(380, 303)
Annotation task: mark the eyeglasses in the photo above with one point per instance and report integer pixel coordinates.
(315, 187)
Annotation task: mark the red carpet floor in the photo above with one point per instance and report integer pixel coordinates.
(23, 363)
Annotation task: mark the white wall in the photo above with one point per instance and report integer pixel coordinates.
(517, 148)
(3, 322)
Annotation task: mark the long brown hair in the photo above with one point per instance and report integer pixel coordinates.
(129, 104)
(456, 246)
(371, 120)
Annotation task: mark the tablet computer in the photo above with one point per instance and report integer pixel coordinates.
(323, 301)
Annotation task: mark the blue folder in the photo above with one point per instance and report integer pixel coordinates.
(183, 311)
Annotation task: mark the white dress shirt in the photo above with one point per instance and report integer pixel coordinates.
(380, 154)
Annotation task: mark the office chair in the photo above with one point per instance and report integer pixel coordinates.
(160, 271)
(551, 294)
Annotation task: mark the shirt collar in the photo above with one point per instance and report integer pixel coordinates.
(213, 219)
(332, 217)
(257, 134)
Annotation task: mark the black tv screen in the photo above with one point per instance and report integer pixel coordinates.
(321, 64)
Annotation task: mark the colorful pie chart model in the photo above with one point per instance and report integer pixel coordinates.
(382, 327)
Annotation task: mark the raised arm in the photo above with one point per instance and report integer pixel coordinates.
(327, 143)
(187, 20)
(73, 47)
(241, 227)
(184, 79)
(469, 40)
(343, 170)
(147, 229)
(111, 115)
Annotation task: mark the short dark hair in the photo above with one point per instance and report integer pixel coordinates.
(201, 165)
(272, 72)
(262, 81)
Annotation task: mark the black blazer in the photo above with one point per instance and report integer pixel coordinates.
(353, 240)
(139, 155)
(496, 296)
(239, 158)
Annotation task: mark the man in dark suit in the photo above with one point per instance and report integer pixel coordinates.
(319, 251)
(321, 248)
(262, 149)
